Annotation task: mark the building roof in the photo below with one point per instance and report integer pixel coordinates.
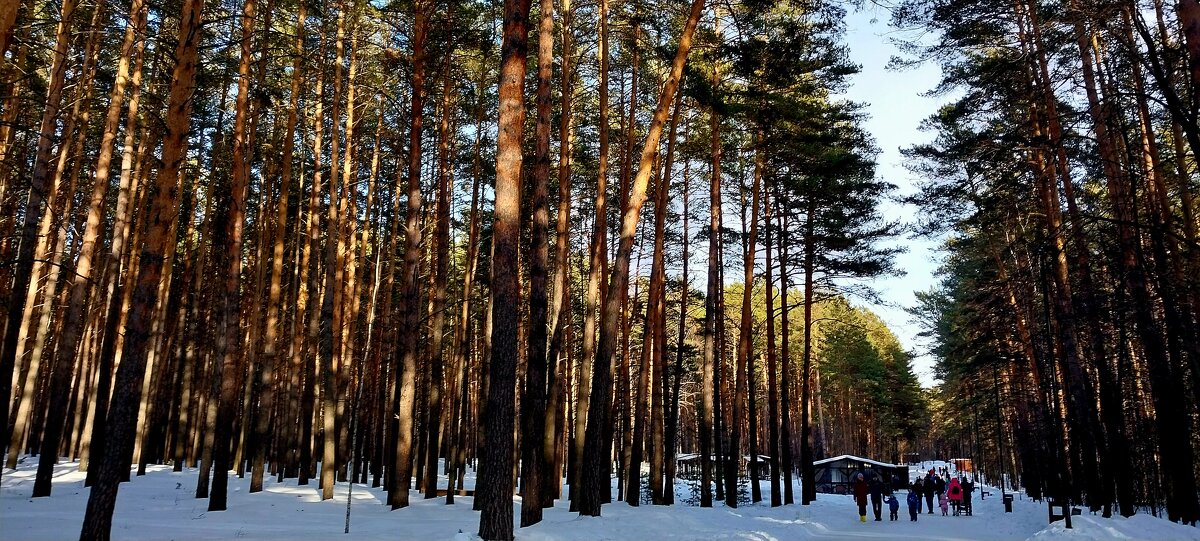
(857, 459)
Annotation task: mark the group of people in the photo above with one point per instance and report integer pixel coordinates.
(953, 495)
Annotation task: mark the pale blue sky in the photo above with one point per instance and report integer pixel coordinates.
(896, 109)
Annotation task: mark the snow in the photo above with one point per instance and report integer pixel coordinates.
(160, 505)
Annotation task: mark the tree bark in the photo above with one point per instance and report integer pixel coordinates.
(229, 333)
(410, 284)
(495, 521)
(97, 523)
(745, 366)
(533, 406)
(598, 266)
(33, 207)
(560, 305)
(595, 475)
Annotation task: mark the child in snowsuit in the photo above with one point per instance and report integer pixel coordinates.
(914, 505)
(893, 506)
(944, 504)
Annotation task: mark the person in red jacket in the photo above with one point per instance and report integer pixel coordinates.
(860, 496)
(956, 495)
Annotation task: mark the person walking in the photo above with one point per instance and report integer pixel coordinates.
(893, 507)
(968, 486)
(930, 489)
(875, 487)
(917, 489)
(914, 502)
(860, 496)
(956, 495)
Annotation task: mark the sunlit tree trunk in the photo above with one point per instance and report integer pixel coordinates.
(33, 206)
(672, 427)
(560, 304)
(97, 523)
(596, 474)
(274, 324)
(658, 323)
(441, 263)
(496, 464)
(228, 335)
(533, 405)
(745, 364)
(785, 379)
(775, 453)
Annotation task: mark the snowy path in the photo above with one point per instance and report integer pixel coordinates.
(161, 506)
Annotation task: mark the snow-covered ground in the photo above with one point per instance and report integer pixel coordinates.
(160, 506)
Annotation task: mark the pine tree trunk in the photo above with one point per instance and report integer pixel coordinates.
(61, 208)
(775, 453)
(495, 470)
(33, 207)
(745, 368)
(533, 405)
(785, 374)
(598, 266)
(97, 523)
(410, 292)
(560, 305)
(595, 475)
(441, 256)
(672, 428)
(229, 337)
(658, 322)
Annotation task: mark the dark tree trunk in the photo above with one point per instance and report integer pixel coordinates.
(495, 470)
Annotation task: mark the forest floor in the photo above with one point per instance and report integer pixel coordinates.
(161, 505)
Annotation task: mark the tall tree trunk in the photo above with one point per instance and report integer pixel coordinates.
(807, 473)
(533, 406)
(672, 427)
(495, 521)
(745, 364)
(274, 326)
(61, 205)
(560, 304)
(596, 474)
(33, 207)
(330, 330)
(441, 265)
(785, 373)
(597, 264)
(658, 322)
(775, 452)
(1110, 397)
(410, 288)
(229, 343)
(97, 523)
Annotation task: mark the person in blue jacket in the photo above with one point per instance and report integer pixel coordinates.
(914, 505)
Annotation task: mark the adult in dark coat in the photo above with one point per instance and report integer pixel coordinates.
(860, 496)
(930, 489)
(875, 487)
(917, 488)
(968, 486)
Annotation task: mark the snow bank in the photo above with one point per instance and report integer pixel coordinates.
(1137, 527)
